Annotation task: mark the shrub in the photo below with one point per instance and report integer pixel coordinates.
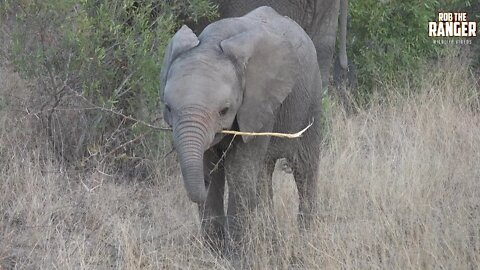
(96, 66)
(388, 40)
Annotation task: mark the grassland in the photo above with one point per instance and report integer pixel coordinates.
(400, 189)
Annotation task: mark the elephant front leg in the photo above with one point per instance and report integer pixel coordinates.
(244, 173)
(264, 184)
(212, 213)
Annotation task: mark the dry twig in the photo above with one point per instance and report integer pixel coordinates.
(215, 167)
(272, 134)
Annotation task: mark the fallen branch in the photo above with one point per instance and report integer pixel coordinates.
(115, 112)
(138, 121)
(272, 134)
(125, 144)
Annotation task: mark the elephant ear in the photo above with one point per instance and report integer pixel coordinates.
(271, 67)
(181, 42)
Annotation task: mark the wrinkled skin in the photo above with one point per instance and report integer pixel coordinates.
(256, 73)
(321, 19)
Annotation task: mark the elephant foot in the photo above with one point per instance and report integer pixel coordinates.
(214, 234)
(215, 243)
(304, 221)
(240, 257)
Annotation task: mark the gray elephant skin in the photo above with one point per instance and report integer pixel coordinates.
(319, 18)
(256, 73)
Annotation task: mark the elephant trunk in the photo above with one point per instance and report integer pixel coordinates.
(191, 139)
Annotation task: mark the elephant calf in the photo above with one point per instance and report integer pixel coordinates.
(256, 73)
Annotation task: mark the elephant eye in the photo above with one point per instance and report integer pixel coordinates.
(167, 107)
(223, 111)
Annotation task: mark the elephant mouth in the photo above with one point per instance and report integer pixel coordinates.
(217, 138)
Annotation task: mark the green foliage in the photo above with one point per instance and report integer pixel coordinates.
(104, 54)
(115, 48)
(388, 40)
(195, 10)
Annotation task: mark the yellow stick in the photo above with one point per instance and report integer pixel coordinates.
(273, 134)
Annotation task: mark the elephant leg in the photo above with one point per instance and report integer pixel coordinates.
(306, 180)
(323, 31)
(212, 213)
(305, 172)
(264, 185)
(265, 197)
(325, 51)
(243, 170)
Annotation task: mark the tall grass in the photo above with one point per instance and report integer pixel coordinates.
(400, 189)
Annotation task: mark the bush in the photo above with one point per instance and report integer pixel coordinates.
(96, 66)
(388, 40)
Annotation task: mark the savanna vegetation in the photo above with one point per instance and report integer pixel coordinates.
(88, 182)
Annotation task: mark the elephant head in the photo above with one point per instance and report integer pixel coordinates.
(208, 84)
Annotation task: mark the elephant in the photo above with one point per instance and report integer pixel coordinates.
(319, 18)
(256, 73)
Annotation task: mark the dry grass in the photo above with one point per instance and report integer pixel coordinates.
(400, 189)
